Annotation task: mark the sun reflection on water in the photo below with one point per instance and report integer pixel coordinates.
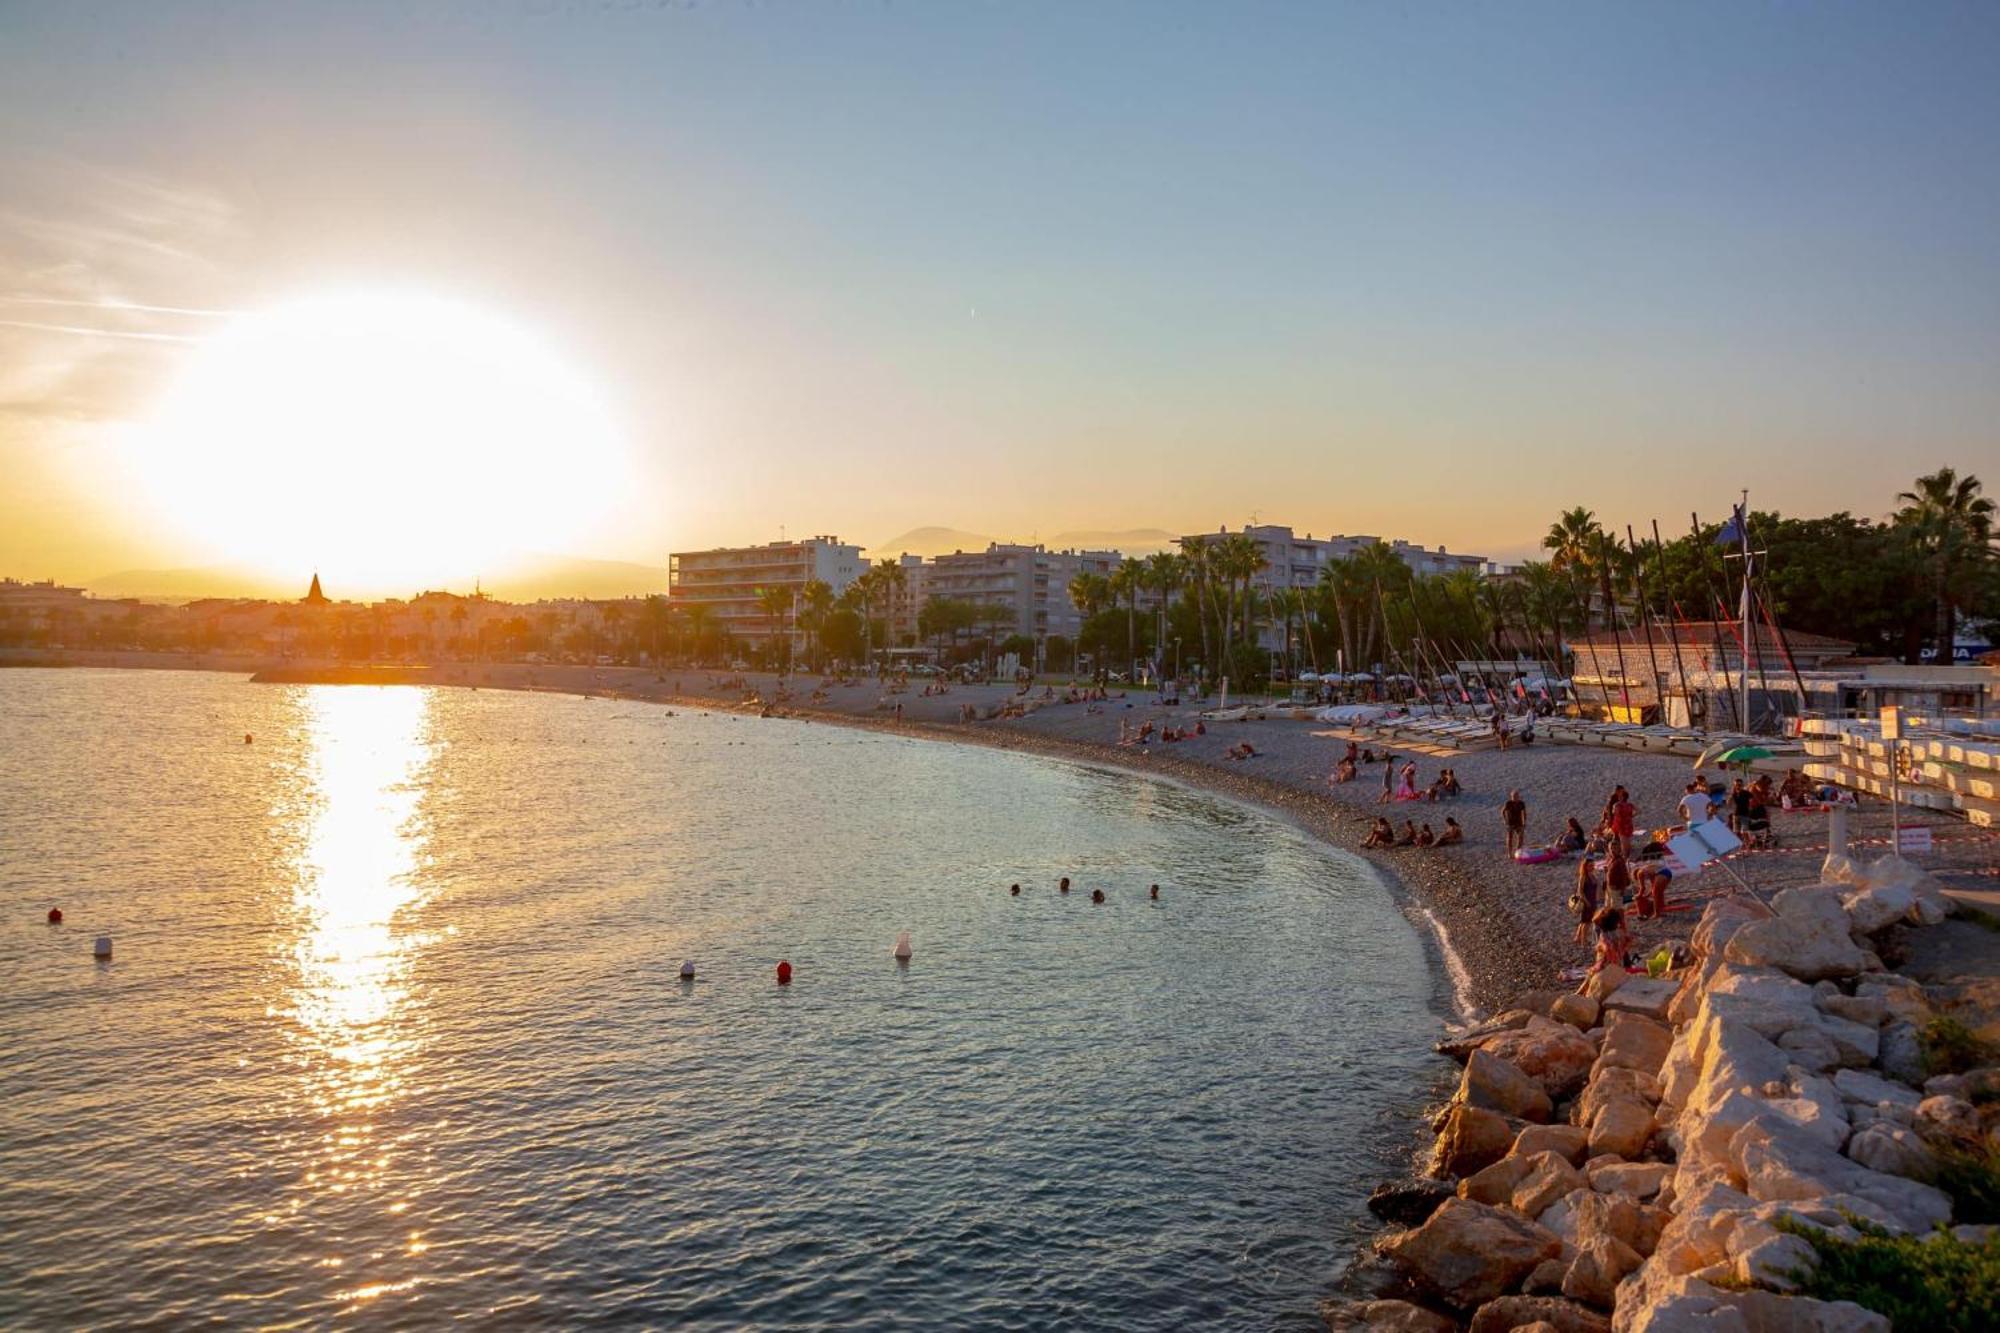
(356, 883)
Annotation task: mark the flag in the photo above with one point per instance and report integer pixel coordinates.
(1732, 532)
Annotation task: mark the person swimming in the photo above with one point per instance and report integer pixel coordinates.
(1155, 893)
(1064, 886)
(1014, 890)
(1097, 895)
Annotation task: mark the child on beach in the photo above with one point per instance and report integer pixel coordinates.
(1452, 834)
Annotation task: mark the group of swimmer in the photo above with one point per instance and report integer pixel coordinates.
(1096, 895)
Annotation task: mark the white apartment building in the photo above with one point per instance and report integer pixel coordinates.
(726, 580)
(1031, 581)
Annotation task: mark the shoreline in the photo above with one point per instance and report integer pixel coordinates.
(1495, 929)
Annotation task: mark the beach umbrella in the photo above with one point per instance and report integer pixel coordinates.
(1743, 754)
(1715, 750)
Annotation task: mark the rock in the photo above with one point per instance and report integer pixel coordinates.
(1929, 910)
(1595, 1217)
(1461, 1044)
(1602, 984)
(1408, 1202)
(1594, 1274)
(1633, 1042)
(1902, 1055)
(1874, 908)
(1778, 1164)
(1546, 1280)
(1656, 1301)
(1621, 1127)
(1778, 1261)
(1471, 1138)
(1720, 921)
(1471, 1253)
(1947, 1085)
(1893, 1149)
(1647, 996)
(1384, 1317)
(1814, 1106)
(1857, 1043)
(1696, 1237)
(1641, 1180)
(1493, 1083)
(1579, 1011)
(1948, 1122)
(1554, 1054)
(1858, 1085)
(1494, 1184)
(1568, 1140)
(1810, 1048)
(1511, 1312)
(1609, 1085)
(1549, 1177)
(1867, 1010)
(1903, 998)
(1808, 938)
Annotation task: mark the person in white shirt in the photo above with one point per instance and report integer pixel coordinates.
(1694, 805)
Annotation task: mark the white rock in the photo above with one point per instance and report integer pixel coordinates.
(1894, 1150)
(1809, 938)
(1870, 1089)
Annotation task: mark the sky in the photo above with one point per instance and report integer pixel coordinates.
(1425, 271)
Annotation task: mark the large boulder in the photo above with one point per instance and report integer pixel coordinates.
(1654, 1300)
(1778, 1164)
(1621, 1128)
(1809, 938)
(1470, 1253)
(1495, 1084)
(1593, 1276)
(1568, 1140)
(1550, 1177)
(1384, 1317)
(1948, 1122)
(1890, 1148)
(1633, 1042)
(1494, 1184)
(1646, 996)
(1511, 1312)
(1901, 1054)
(1470, 1139)
(1640, 1180)
(1464, 1042)
(1579, 1011)
(1870, 1089)
(1408, 1202)
(1868, 1010)
(1872, 909)
(1554, 1054)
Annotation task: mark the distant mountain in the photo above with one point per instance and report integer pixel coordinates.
(928, 542)
(528, 579)
(1132, 541)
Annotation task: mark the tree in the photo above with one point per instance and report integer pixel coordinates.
(775, 603)
(1126, 582)
(1950, 524)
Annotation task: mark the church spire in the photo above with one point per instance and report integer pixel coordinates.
(314, 597)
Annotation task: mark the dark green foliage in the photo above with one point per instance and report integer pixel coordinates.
(1950, 1047)
(1936, 1285)
(1972, 1179)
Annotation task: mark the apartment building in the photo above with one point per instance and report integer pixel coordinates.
(1031, 581)
(726, 581)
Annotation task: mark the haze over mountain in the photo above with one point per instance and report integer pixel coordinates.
(935, 541)
(532, 578)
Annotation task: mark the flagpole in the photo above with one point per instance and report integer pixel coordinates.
(1743, 531)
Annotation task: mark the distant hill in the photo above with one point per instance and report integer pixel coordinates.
(529, 579)
(928, 542)
(1131, 541)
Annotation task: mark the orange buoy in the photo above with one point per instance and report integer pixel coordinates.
(55, 916)
(784, 973)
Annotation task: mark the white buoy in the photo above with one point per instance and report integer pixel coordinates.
(687, 970)
(903, 946)
(101, 949)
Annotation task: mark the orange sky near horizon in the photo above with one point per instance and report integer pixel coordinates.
(406, 295)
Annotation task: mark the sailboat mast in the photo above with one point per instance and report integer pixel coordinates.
(1743, 531)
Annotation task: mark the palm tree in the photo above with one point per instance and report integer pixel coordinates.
(1951, 525)
(699, 619)
(1575, 542)
(816, 603)
(1125, 583)
(774, 603)
(1089, 593)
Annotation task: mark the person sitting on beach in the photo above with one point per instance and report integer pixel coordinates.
(1571, 840)
(1367, 756)
(1451, 787)
(1344, 771)
(1408, 837)
(1594, 845)
(1436, 791)
(1452, 835)
(1381, 834)
(1426, 838)
(1650, 890)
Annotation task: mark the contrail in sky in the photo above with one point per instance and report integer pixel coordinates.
(116, 305)
(99, 333)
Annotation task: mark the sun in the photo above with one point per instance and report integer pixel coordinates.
(388, 439)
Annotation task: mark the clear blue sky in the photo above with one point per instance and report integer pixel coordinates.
(1435, 271)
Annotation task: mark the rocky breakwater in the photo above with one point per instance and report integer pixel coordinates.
(1640, 1157)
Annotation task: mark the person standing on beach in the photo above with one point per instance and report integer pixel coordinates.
(1514, 814)
(1623, 814)
(1388, 778)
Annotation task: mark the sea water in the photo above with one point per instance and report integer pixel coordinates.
(392, 1030)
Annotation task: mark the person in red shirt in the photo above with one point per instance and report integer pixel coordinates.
(1623, 813)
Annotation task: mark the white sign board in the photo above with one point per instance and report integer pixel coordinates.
(1916, 839)
(1704, 842)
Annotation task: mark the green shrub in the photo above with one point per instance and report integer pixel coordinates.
(1936, 1285)
(1972, 1179)
(1950, 1047)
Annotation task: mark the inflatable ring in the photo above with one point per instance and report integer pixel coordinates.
(1534, 856)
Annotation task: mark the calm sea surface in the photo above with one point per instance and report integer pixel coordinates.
(392, 1035)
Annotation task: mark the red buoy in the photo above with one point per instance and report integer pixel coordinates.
(784, 973)
(55, 916)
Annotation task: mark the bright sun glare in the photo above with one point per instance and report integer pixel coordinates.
(384, 438)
